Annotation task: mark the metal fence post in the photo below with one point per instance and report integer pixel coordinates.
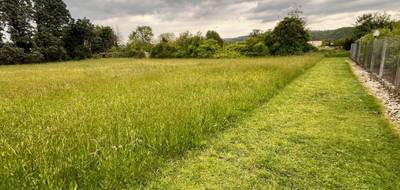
(382, 67)
(371, 68)
(358, 51)
(397, 78)
(365, 61)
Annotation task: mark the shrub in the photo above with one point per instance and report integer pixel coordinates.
(227, 53)
(10, 54)
(207, 48)
(163, 50)
(54, 53)
(290, 36)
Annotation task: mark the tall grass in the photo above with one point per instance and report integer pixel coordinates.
(111, 123)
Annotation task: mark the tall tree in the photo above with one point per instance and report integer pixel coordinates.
(18, 17)
(141, 38)
(105, 38)
(290, 36)
(2, 22)
(78, 38)
(51, 16)
(215, 36)
(166, 37)
(371, 21)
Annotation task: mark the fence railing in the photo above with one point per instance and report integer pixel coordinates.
(380, 57)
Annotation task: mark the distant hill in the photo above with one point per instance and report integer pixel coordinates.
(332, 35)
(237, 39)
(322, 35)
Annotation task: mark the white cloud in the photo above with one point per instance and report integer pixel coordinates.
(230, 18)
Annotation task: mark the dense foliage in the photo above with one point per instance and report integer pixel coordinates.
(290, 37)
(366, 23)
(43, 30)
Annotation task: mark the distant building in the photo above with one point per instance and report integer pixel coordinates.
(316, 44)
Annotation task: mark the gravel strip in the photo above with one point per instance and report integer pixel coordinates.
(381, 89)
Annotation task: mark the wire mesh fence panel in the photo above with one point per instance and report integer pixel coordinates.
(391, 60)
(379, 56)
(368, 55)
(353, 52)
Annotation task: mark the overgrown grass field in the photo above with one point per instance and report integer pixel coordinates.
(112, 123)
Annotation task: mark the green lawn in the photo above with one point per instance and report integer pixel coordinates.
(113, 123)
(323, 131)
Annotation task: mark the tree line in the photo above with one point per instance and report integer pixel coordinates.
(43, 31)
(289, 37)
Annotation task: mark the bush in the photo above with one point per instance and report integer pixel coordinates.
(254, 49)
(207, 48)
(227, 53)
(54, 53)
(163, 50)
(10, 54)
(34, 57)
(290, 36)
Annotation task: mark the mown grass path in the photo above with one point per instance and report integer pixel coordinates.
(323, 131)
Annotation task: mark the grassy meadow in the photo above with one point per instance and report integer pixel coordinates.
(323, 131)
(113, 123)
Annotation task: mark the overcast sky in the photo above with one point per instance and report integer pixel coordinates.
(231, 18)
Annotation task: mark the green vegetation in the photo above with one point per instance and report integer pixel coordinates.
(335, 53)
(323, 131)
(111, 123)
(369, 22)
(394, 31)
(289, 37)
(332, 35)
(43, 31)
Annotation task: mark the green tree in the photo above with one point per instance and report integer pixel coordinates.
(51, 17)
(140, 39)
(254, 45)
(290, 36)
(256, 33)
(17, 14)
(105, 38)
(215, 36)
(207, 48)
(167, 37)
(187, 45)
(166, 48)
(368, 22)
(78, 37)
(2, 22)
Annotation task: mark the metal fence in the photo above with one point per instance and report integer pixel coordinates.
(380, 57)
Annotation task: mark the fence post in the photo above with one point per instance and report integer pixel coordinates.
(359, 52)
(353, 52)
(366, 56)
(371, 68)
(382, 67)
(397, 79)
